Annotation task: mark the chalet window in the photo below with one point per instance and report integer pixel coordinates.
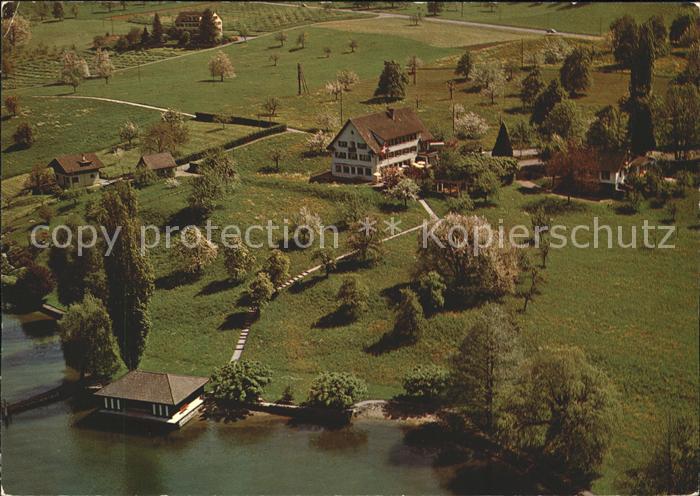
(346, 169)
(368, 171)
(338, 168)
(352, 156)
(362, 146)
(352, 144)
(344, 144)
(75, 180)
(340, 154)
(364, 158)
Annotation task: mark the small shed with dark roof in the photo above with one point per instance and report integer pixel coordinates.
(169, 398)
(78, 170)
(162, 163)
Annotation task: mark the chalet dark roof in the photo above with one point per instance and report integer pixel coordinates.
(153, 387)
(188, 13)
(387, 125)
(612, 161)
(81, 162)
(158, 161)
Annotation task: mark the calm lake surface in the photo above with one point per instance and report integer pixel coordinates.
(57, 449)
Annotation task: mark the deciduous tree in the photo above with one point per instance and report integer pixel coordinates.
(238, 259)
(489, 271)
(565, 409)
(575, 73)
(531, 87)
(485, 367)
(194, 252)
(103, 65)
(337, 390)
(352, 298)
(277, 267)
(242, 381)
(87, 340)
(260, 290)
(220, 66)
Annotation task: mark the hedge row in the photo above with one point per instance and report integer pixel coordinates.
(192, 157)
(234, 119)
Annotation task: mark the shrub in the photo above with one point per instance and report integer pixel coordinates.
(33, 285)
(143, 176)
(277, 267)
(426, 383)
(353, 297)
(260, 290)
(240, 382)
(410, 320)
(431, 287)
(24, 135)
(460, 205)
(337, 390)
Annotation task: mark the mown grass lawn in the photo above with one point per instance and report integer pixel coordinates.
(631, 311)
(583, 17)
(64, 126)
(202, 135)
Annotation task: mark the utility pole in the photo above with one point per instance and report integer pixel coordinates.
(462, 13)
(522, 54)
(341, 107)
(301, 82)
(453, 119)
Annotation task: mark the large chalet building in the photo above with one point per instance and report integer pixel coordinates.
(189, 21)
(391, 138)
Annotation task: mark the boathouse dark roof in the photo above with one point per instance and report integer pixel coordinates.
(153, 387)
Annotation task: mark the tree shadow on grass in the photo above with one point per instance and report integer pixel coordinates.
(390, 341)
(529, 191)
(393, 293)
(184, 217)
(392, 207)
(337, 318)
(306, 283)
(238, 320)
(175, 279)
(217, 286)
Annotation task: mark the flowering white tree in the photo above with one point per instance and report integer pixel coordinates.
(327, 121)
(220, 66)
(334, 88)
(103, 65)
(194, 251)
(491, 78)
(129, 132)
(347, 78)
(318, 142)
(74, 69)
(405, 190)
(305, 223)
(470, 125)
(555, 50)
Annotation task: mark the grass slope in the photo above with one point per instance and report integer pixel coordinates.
(583, 17)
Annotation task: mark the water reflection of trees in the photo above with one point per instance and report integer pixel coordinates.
(470, 463)
(345, 439)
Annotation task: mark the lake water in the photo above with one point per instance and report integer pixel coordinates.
(57, 449)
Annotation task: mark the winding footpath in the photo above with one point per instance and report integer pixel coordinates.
(243, 336)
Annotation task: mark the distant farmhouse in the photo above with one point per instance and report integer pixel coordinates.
(162, 164)
(189, 21)
(615, 168)
(395, 137)
(76, 171)
(162, 398)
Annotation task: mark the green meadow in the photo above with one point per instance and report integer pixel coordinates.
(573, 17)
(630, 310)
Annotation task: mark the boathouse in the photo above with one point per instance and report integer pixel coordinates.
(165, 398)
